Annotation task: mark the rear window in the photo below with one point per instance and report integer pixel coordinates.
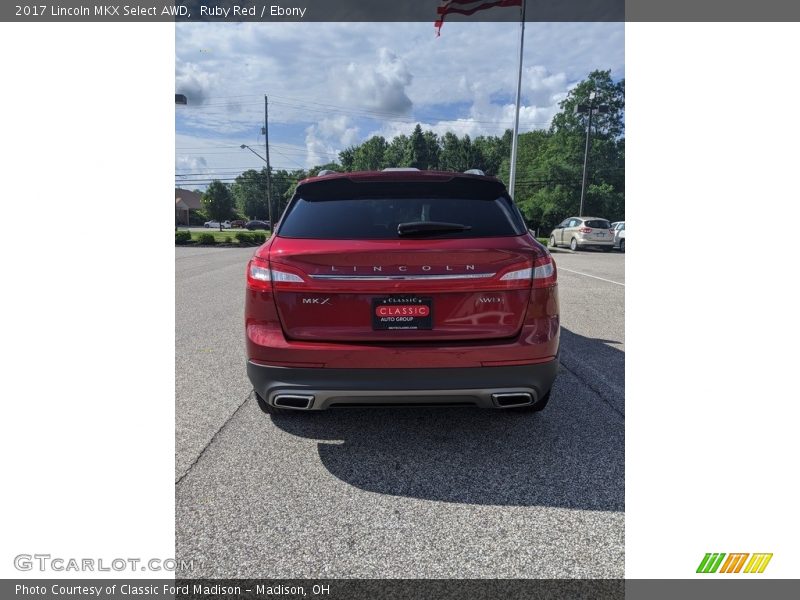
(378, 218)
(598, 224)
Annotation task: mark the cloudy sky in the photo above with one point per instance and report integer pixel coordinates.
(331, 85)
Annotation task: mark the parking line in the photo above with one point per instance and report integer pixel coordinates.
(592, 276)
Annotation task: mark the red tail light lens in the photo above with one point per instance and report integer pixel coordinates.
(260, 276)
(585, 230)
(544, 272)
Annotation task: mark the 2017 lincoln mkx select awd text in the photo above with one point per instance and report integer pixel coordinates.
(401, 287)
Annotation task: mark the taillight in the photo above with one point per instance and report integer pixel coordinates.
(585, 230)
(515, 275)
(259, 275)
(544, 272)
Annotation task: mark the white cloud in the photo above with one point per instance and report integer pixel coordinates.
(190, 163)
(379, 85)
(192, 80)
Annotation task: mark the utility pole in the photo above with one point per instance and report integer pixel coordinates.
(591, 109)
(512, 176)
(269, 174)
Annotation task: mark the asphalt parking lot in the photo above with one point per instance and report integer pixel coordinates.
(408, 493)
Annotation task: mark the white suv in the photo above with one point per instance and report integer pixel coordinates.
(583, 232)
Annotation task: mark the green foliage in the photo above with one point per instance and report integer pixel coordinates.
(250, 194)
(217, 201)
(371, 155)
(228, 239)
(611, 124)
(550, 163)
(197, 217)
(251, 238)
(396, 152)
(182, 237)
(205, 238)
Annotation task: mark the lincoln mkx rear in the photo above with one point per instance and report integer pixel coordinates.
(402, 288)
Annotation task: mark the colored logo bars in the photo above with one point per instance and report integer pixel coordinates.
(734, 562)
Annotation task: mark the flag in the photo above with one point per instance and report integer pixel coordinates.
(467, 7)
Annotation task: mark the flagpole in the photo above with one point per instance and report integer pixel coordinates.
(513, 173)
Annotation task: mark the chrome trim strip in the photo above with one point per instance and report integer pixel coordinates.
(402, 277)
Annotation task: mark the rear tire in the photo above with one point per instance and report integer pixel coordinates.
(573, 245)
(622, 245)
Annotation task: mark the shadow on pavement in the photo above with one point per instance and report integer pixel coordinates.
(600, 366)
(570, 455)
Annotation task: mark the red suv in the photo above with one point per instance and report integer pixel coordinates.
(401, 287)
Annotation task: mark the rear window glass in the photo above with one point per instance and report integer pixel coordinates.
(598, 224)
(378, 218)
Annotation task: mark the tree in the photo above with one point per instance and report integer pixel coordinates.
(490, 152)
(416, 154)
(348, 157)
(217, 202)
(250, 193)
(611, 124)
(396, 152)
(431, 149)
(550, 163)
(371, 155)
(457, 154)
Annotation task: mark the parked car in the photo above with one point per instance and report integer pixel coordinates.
(583, 232)
(619, 235)
(216, 225)
(257, 224)
(401, 287)
(238, 224)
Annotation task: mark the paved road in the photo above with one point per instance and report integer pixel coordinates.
(398, 492)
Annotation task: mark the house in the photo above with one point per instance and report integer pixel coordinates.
(185, 202)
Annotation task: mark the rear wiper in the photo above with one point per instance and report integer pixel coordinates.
(417, 227)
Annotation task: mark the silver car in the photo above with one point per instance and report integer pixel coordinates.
(583, 232)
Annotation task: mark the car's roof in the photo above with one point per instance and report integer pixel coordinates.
(366, 183)
(395, 175)
(589, 218)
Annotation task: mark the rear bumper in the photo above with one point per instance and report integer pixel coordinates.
(595, 243)
(326, 388)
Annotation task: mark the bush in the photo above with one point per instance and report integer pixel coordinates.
(228, 239)
(182, 237)
(205, 238)
(251, 238)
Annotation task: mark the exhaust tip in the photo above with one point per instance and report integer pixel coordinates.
(295, 401)
(511, 399)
